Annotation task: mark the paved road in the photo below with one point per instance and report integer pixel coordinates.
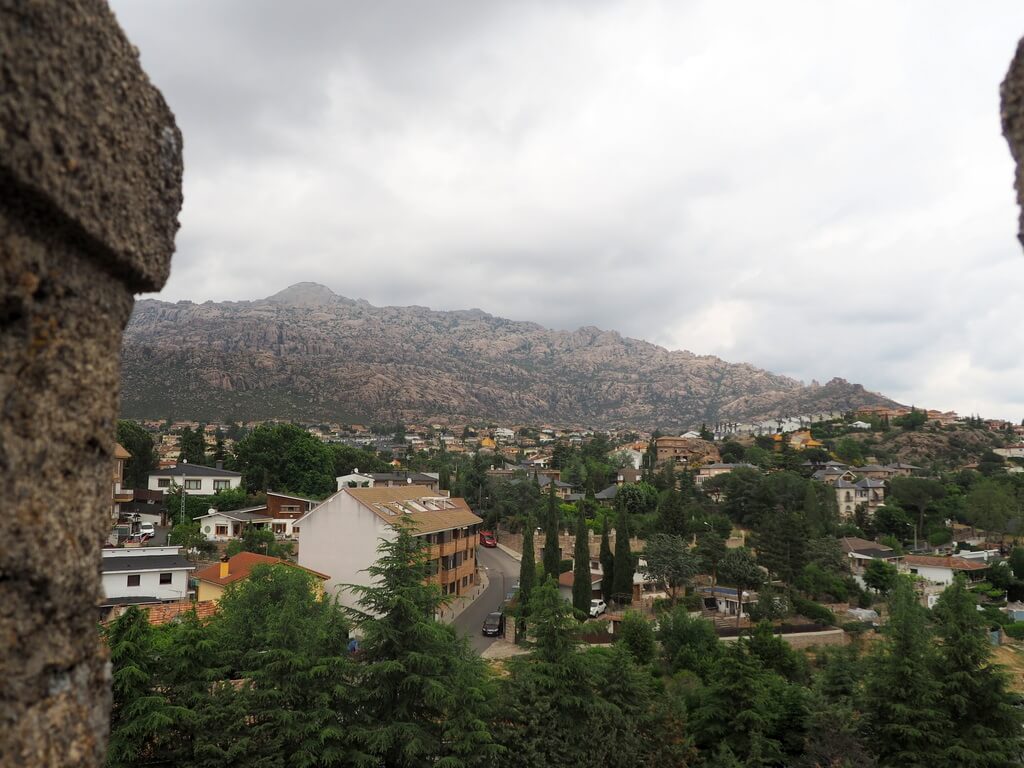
(471, 620)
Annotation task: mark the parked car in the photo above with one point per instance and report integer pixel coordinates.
(488, 539)
(147, 529)
(597, 607)
(494, 624)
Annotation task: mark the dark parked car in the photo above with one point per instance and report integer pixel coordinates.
(494, 624)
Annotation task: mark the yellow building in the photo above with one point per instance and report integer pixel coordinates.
(215, 579)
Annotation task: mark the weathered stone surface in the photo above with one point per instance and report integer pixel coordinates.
(90, 178)
(81, 126)
(1012, 97)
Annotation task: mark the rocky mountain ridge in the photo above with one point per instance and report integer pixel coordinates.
(306, 353)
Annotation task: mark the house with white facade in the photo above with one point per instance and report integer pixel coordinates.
(196, 479)
(355, 479)
(942, 570)
(224, 526)
(144, 575)
(340, 536)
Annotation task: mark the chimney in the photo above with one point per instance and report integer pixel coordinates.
(224, 567)
(220, 465)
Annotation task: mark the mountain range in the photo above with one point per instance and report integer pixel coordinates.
(310, 355)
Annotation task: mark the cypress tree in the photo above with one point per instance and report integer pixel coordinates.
(902, 702)
(672, 514)
(974, 691)
(552, 553)
(607, 562)
(581, 565)
(527, 569)
(622, 580)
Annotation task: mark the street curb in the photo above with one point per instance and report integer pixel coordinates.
(510, 552)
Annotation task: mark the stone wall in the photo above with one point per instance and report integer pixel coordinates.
(1012, 97)
(90, 188)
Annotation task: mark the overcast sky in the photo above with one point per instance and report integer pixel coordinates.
(818, 188)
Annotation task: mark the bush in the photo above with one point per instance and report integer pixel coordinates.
(813, 611)
(1015, 630)
(857, 627)
(693, 601)
(565, 566)
(939, 537)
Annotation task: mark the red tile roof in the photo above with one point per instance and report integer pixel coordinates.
(953, 563)
(242, 564)
(162, 614)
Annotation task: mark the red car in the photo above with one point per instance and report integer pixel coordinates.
(488, 539)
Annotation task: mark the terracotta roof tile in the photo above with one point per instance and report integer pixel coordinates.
(240, 566)
(162, 614)
(955, 563)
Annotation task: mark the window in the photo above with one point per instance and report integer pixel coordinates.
(289, 507)
(134, 580)
(163, 482)
(295, 530)
(279, 527)
(193, 485)
(222, 530)
(220, 485)
(166, 578)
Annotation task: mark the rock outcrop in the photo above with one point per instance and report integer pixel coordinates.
(90, 188)
(310, 355)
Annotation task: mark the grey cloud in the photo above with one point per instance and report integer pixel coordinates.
(818, 189)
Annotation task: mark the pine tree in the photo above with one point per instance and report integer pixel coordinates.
(581, 565)
(711, 549)
(622, 579)
(974, 691)
(416, 676)
(902, 700)
(141, 714)
(552, 553)
(607, 562)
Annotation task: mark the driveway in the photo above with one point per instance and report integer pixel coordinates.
(469, 622)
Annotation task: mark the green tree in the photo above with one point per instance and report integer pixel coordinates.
(880, 576)
(781, 543)
(139, 443)
(974, 692)
(672, 514)
(991, 506)
(547, 704)
(622, 578)
(551, 555)
(739, 568)
(711, 548)
(637, 635)
(849, 450)
(193, 446)
(284, 457)
(581, 565)
(422, 692)
(261, 541)
(916, 494)
(688, 643)
(607, 562)
(668, 560)
(1017, 562)
(141, 713)
(527, 568)
(902, 697)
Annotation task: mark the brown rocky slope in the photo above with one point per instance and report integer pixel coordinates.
(308, 354)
